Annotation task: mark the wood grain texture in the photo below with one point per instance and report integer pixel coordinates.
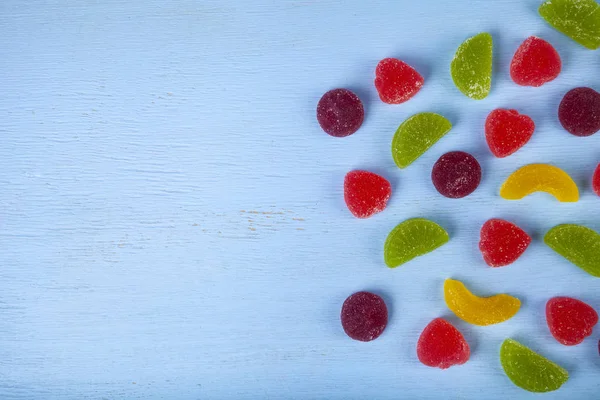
(172, 223)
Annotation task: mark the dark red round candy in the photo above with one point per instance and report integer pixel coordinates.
(579, 111)
(364, 316)
(456, 174)
(340, 112)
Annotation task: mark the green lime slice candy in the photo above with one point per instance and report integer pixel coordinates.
(412, 238)
(471, 67)
(578, 19)
(529, 370)
(578, 244)
(416, 135)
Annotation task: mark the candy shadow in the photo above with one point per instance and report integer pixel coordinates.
(532, 6)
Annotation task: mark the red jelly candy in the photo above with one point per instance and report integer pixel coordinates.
(340, 112)
(596, 180)
(441, 345)
(506, 131)
(366, 193)
(502, 242)
(396, 81)
(579, 111)
(535, 63)
(456, 174)
(364, 316)
(570, 320)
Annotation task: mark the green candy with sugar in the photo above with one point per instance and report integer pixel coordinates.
(471, 67)
(412, 238)
(578, 244)
(578, 19)
(416, 135)
(529, 370)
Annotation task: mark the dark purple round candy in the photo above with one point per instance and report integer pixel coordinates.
(456, 174)
(340, 112)
(579, 111)
(364, 316)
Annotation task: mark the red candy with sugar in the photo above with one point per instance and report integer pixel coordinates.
(396, 81)
(456, 174)
(535, 63)
(441, 345)
(364, 316)
(570, 320)
(366, 193)
(340, 112)
(502, 242)
(506, 131)
(596, 180)
(579, 111)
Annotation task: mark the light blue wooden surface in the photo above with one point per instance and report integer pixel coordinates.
(172, 222)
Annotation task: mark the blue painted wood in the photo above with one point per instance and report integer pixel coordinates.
(172, 222)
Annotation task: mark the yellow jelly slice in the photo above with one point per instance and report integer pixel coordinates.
(540, 178)
(479, 310)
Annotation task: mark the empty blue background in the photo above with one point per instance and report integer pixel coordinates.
(172, 220)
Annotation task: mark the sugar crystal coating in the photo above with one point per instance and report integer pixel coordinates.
(416, 135)
(479, 310)
(412, 238)
(471, 67)
(579, 111)
(506, 131)
(366, 193)
(396, 81)
(570, 320)
(456, 174)
(578, 244)
(502, 242)
(364, 316)
(340, 112)
(540, 178)
(529, 370)
(596, 180)
(441, 345)
(578, 19)
(535, 63)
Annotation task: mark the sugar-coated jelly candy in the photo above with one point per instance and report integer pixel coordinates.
(396, 81)
(416, 135)
(578, 244)
(456, 174)
(366, 193)
(364, 316)
(579, 111)
(502, 242)
(412, 238)
(570, 320)
(479, 310)
(596, 180)
(340, 112)
(471, 67)
(506, 131)
(578, 19)
(540, 178)
(441, 345)
(529, 370)
(535, 63)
